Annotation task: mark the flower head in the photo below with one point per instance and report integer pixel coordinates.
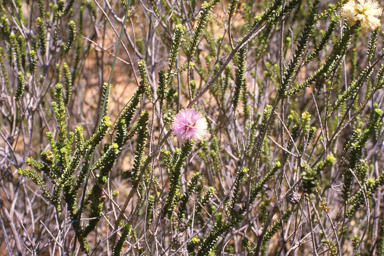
(189, 124)
(365, 11)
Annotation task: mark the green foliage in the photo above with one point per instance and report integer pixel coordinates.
(20, 86)
(354, 87)
(69, 7)
(324, 40)
(174, 51)
(71, 37)
(355, 245)
(22, 54)
(240, 80)
(276, 14)
(232, 7)
(309, 26)
(236, 190)
(330, 244)
(309, 178)
(259, 186)
(68, 83)
(191, 187)
(105, 93)
(276, 226)
(192, 245)
(150, 206)
(42, 35)
(79, 42)
(4, 73)
(201, 25)
(32, 61)
(59, 166)
(141, 142)
(380, 246)
(174, 170)
(372, 46)
(144, 80)
(208, 243)
(119, 245)
(37, 180)
(14, 52)
(203, 202)
(358, 141)
(311, 99)
(129, 110)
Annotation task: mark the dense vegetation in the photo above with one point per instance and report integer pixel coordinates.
(166, 127)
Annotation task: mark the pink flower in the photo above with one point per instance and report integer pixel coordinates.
(189, 124)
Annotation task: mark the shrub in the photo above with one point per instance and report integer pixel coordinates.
(191, 128)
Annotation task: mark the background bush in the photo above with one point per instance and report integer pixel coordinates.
(291, 164)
